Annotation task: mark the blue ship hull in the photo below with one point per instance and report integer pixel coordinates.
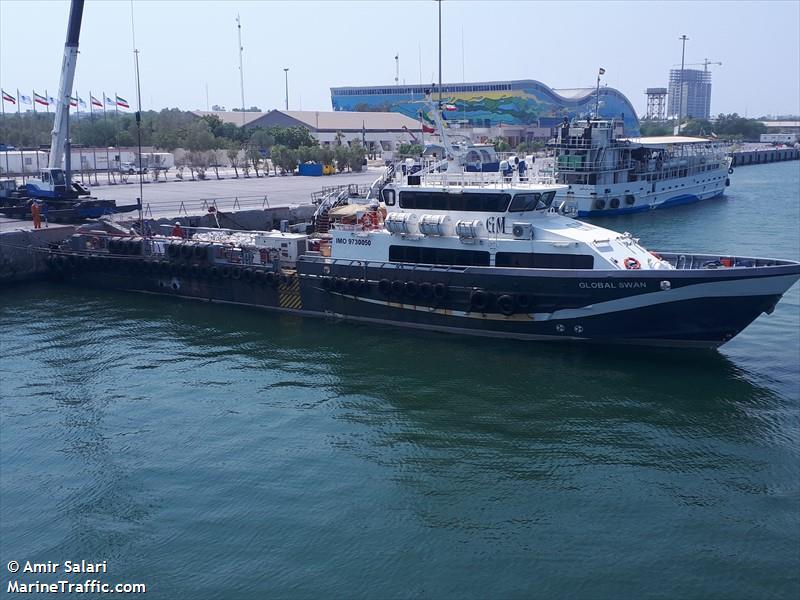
(679, 200)
(696, 306)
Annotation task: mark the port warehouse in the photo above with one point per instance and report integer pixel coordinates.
(376, 130)
(518, 110)
(785, 132)
(25, 162)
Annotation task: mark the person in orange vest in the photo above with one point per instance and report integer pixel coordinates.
(177, 231)
(36, 214)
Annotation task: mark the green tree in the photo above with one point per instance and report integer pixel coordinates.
(342, 156)
(254, 156)
(358, 156)
(326, 155)
(697, 127)
(276, 155)
(654, 128)
(409, 150)
(232, 151)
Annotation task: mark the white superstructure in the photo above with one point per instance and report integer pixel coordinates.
(608, 173)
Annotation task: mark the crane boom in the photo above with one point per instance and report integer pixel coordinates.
(58, 139)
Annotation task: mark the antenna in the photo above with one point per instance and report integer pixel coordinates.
(138, 120)
(420, 62)
(440, 53)
(241, 70)
(397, 69)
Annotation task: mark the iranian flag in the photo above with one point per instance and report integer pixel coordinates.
(450, 107)
(122, 102)
(96, 102)
(428, 128)
(73, 102)
(39, 99)
(9, 98)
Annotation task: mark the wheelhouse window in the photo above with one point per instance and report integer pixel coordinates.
(531, 201)
(438, 256)
(538, 260)
(466, 202)
(388, 197)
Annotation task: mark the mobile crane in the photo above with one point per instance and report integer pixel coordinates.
(55, 187)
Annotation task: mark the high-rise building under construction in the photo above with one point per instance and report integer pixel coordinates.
(689, 93)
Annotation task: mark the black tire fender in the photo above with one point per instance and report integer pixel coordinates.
(479, 300)
(506, 304)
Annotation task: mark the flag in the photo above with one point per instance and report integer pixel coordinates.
(95, 101)
(450, 107)
(81, 102)
(428, 128)
(39, 99)
(23, 99)
(109, 101)
(51, 100)
(602, 71)
(9, 98)
(73, 102)
(122, 102)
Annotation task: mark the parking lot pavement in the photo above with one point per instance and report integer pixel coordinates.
(284, 190)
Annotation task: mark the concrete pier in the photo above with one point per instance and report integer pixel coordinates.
(21, 250)
(762, 156)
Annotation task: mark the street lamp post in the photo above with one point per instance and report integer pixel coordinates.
(683, 39)
(286, 72)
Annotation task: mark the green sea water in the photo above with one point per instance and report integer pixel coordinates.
(219, 452)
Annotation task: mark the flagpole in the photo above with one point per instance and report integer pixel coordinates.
(108, 158)
(4, 124)
(78, 118)
(116, 130)
(36, 148)
(21, 154)
(94, 153)
(47, 99)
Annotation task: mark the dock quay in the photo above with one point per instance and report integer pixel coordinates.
(760, 156)
(21, 249)
(247, 203)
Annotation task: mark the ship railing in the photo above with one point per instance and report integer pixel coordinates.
(564, 166)
(481, 179)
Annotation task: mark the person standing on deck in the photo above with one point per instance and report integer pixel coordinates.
(36, 215)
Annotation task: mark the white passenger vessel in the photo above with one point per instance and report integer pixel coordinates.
(609, 174)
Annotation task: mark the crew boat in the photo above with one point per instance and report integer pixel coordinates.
(452, 250)
(609, 174)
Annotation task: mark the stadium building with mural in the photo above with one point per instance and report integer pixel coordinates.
(520, 106)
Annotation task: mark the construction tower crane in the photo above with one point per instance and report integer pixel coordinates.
(705, 64)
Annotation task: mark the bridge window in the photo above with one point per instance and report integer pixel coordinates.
(438, 256)
(469, 202)
(531, 201)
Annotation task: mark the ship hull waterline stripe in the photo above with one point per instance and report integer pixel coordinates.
(655, 342)
(716, 289)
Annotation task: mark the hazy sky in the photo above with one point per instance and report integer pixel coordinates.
(188, 45)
